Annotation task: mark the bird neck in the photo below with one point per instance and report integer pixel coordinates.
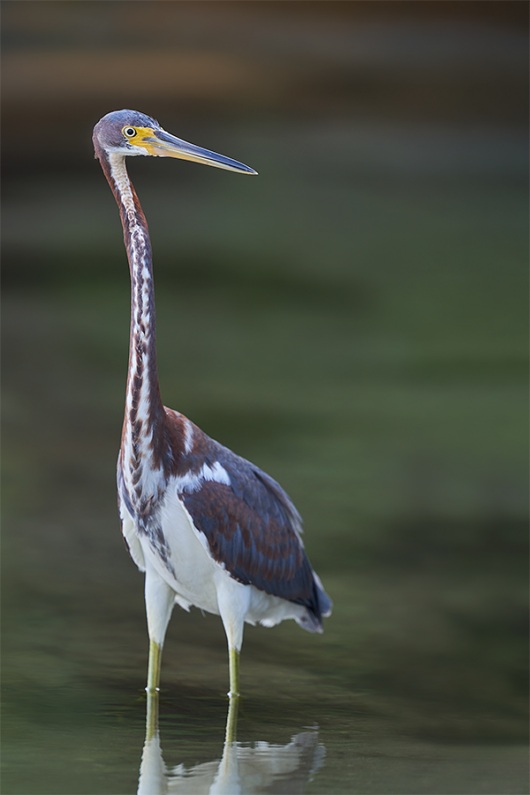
(144, 413)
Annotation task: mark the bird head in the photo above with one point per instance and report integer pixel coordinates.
(130, 133)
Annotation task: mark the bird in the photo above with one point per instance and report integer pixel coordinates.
(208, 528)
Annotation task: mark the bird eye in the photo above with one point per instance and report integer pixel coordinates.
(129, 132)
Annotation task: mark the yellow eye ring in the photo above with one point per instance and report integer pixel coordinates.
(129, 132)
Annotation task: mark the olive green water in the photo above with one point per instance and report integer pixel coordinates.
(353, 320)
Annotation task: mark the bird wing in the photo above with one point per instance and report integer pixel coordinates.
(251, 525)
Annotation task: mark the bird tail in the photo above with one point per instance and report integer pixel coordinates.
(311, 619)
(324, 602)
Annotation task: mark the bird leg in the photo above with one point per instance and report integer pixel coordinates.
(153, 668)
(233, 600)
(233, 661)
(159, 601)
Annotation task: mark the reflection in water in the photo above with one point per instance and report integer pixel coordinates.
(257, 768)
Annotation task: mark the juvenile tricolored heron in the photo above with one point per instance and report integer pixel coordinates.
(209, 528)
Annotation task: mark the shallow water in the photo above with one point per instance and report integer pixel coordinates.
(300, 729)
(354, 321)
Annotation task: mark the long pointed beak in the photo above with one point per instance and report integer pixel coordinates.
(165, 145)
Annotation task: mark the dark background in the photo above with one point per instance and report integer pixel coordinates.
(354, 320)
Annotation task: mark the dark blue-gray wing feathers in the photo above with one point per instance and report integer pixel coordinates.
(253, 529)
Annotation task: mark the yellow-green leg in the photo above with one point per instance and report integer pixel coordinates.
(233, 600)
(153, 669)
(159, 601)
(233, 661)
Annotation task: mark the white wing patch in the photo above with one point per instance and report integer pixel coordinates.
(192, 481)
(217, 473)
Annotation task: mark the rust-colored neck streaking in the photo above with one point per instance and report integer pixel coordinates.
(142, 437)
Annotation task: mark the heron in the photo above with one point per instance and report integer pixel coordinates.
(208, 528)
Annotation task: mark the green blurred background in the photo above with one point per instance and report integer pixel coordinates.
(354, 320)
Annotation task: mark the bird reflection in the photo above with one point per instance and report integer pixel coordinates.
(243, 769)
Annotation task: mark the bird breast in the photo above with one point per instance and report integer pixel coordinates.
(166, 542)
